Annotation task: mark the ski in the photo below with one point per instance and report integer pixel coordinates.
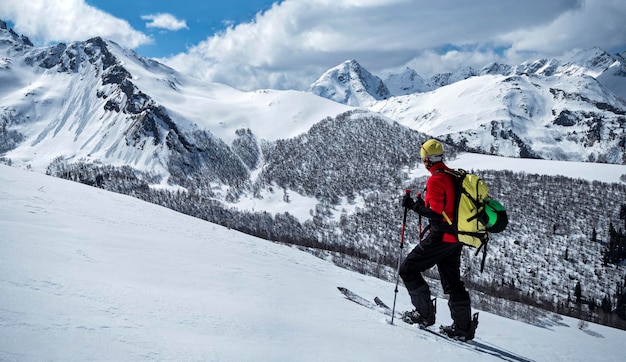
(473, 345)
(350, 295)
(380, 303)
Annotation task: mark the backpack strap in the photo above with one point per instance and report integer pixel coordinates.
(483, 246)
(445, 215)
(455, 199)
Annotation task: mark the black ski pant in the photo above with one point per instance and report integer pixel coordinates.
(447, 256)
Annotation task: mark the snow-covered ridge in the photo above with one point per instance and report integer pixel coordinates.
(574, 119)
(608, 69)
(560, 110)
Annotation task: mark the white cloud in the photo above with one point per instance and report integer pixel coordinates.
(291, 44)
(68, 20)
(599, 23)
(431, 62)
(294, 42)
(164, 21)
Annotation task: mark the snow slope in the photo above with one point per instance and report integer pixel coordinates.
(579, 170)
(90, 275)
(270, 114)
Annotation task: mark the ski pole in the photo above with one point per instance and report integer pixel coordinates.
(393, 310)
(419, 196)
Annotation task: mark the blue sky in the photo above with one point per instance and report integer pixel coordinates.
(200, 19)
(257, 44)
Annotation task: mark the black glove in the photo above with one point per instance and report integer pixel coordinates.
(419, 203)
(408, 202)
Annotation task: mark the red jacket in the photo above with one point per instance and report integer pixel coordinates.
(439, 195)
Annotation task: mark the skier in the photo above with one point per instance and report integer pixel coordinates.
(440, 247)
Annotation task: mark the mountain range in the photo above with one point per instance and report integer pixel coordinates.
(573, 110)
(96, 101)
(102, 102)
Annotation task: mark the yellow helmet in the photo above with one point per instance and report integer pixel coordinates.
(431, 148)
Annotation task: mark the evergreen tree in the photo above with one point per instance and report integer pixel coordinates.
(578, 293)
(606, 304)
(615, 251)
(621, 306)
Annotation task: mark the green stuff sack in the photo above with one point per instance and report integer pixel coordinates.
(497, 219)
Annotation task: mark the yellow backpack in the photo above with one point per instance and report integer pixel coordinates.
(470, 219)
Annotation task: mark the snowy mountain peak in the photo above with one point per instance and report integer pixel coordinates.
(592, 58)
(496, 68)
(545, 67)
(405, 82)
(9, 36)
(592, 62)
(444, 79)
(82, 101)
(408, 81)
(609, 70)
(98, 102)
(349, 83)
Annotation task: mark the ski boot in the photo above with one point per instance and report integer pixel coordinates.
(414, 317)
(461, 335)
